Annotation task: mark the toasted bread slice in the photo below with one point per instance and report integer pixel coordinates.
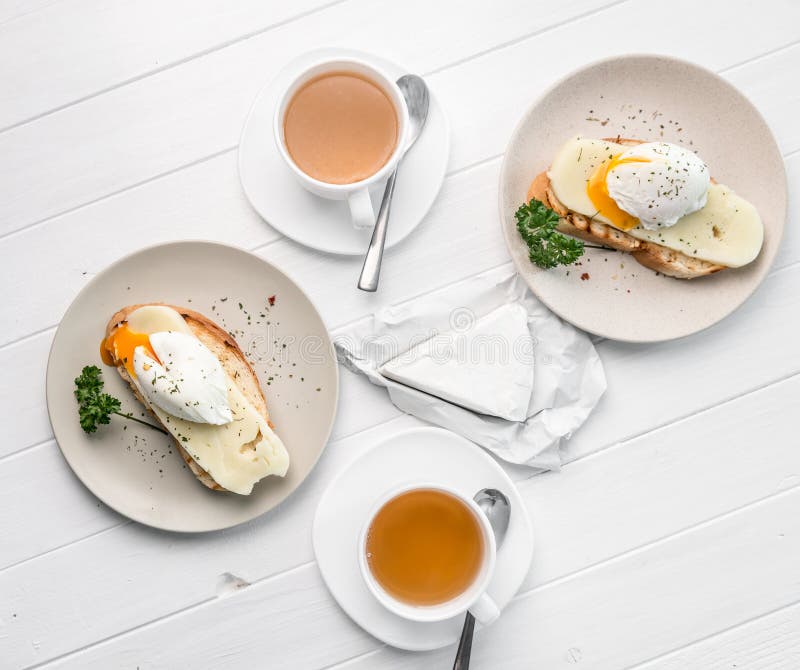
(233, 361)
(654, 256)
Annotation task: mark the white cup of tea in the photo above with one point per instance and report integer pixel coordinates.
(340, 126)
(434, 585)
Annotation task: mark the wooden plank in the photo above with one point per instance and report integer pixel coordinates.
(770, 642)
(189, 112)
(44, 506)
(287, 623)
(632, 597)
(667, 480)
(764, 92)
(117, 42)
(13, 10)
(595, 509)
(22, 394)
(789, 250)
(695, 373)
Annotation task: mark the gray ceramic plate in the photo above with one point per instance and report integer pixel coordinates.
(135, 470)
(650, 98)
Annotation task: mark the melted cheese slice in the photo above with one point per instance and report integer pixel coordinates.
(728, 230)
(237, 454)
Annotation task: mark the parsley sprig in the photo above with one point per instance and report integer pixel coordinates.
(548, 248)
(96, 407)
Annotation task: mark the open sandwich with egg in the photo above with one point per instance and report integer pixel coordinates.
(194, 379)
(653, 200)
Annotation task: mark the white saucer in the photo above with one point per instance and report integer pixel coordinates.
(325, 224)
(428, 454)
(609, 293)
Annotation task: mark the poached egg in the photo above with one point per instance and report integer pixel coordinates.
(183, 378)
(657, 192)
(652, 185)
(174, 370)
(220, 428)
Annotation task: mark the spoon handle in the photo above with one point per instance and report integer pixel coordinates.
(368, 281)
(465, 644)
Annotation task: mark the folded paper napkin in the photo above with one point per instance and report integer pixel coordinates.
(485, 359)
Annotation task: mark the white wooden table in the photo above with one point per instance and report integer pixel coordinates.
(671, 539)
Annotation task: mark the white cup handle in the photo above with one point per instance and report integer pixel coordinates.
(361, 212)
(484, 610)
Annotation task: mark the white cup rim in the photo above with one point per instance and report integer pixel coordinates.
(402, 118)
(441, 611)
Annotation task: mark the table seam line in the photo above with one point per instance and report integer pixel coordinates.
(711, 636)
(761, 56)
(680, 419)
(113, 194)
(522, 38)
(176, 613)
(165, 68)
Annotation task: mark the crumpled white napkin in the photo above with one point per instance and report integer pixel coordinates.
(568, 377)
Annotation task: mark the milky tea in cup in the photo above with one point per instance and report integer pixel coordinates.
(425, 547)
(340, 127)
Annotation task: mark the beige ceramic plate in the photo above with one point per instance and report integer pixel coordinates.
(650, 98)
(134, 469)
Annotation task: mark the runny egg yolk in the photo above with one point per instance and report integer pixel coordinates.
(120, 345)
(597, 190)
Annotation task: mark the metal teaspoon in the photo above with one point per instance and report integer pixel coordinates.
(495, 506)
(417, 99)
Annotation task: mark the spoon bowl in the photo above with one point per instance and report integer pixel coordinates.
(495, 506)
